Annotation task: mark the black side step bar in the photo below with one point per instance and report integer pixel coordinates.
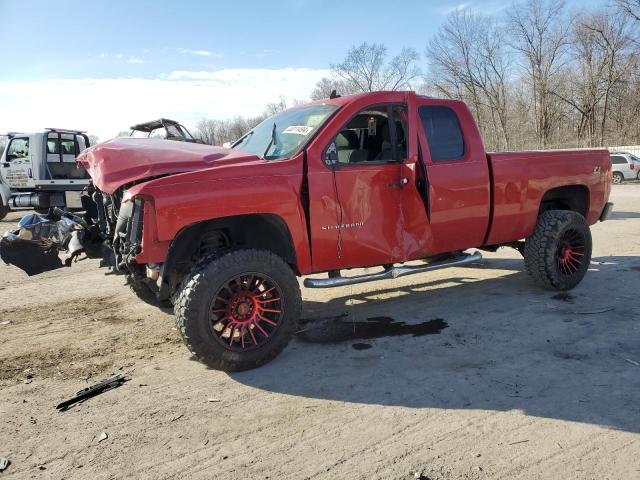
(393, 272)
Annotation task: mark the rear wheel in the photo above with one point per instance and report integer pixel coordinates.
(558, 253)
(617, 177)
(239, 311)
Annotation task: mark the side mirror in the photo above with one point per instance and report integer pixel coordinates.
(331, 155)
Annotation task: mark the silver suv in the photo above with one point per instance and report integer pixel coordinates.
(624, 166)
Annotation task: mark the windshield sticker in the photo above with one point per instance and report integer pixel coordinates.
(298, 129)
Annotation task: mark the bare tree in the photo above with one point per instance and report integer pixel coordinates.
(208, 131)
(402, 70)
(540, 33)
(326, 85)
(365, 70)
(630, 7)
(276, 107)
(362, 69)
(603, 60)
(468, 60)
(218, 132)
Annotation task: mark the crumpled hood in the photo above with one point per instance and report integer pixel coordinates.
(120, 161)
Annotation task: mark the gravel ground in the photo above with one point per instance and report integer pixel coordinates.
(470, 373)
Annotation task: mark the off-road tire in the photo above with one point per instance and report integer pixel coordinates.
(541, 250)
(617, 178)
(3, 210)
(193, 303)
(146, 294)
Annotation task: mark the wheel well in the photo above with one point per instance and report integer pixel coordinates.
(210, 237)
(569, 197)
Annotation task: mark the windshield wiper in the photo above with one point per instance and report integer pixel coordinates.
(271, 142)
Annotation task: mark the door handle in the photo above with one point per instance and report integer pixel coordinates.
(404, 181)
(6, 164)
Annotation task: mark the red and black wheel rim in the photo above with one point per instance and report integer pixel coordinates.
(246, 312)
(570, 255)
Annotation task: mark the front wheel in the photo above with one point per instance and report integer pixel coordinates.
(239, 311)
(3, 210)
(558, 253)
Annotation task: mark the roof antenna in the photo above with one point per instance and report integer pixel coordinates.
(333, 94)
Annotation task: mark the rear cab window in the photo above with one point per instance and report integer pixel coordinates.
(65, 144)
(443, 132)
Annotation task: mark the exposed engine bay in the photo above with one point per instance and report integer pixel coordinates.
(109, 229)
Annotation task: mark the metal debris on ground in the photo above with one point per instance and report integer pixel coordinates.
(633, 362)
(520, 441)
(590, 312)
(92, 391)
(103, 436)
(34, 246)
(4, 463)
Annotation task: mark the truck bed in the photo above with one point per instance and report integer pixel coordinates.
(519, 180)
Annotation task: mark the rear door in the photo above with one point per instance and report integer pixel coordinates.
(458, 181)
(17, 169)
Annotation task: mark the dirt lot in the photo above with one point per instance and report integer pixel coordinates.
(496, 378)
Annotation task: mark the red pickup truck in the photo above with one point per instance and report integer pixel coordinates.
(376, 179)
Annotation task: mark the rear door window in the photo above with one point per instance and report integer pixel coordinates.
(443, 132)
(618, 160)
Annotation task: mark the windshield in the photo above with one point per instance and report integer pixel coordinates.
(285, 133)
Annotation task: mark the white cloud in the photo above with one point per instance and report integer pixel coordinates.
(136, 60)
(199, 53)
(107, 105)
(455, 8)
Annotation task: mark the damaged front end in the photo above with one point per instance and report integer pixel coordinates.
(109, 229)
(35, 245)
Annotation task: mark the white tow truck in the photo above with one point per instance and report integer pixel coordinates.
(39, 170)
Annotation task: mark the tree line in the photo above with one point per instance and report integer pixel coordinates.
(535, 76)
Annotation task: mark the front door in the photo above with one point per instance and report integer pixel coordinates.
(355, 191)
(16, 169)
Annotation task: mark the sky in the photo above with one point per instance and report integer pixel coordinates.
(103, 66)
